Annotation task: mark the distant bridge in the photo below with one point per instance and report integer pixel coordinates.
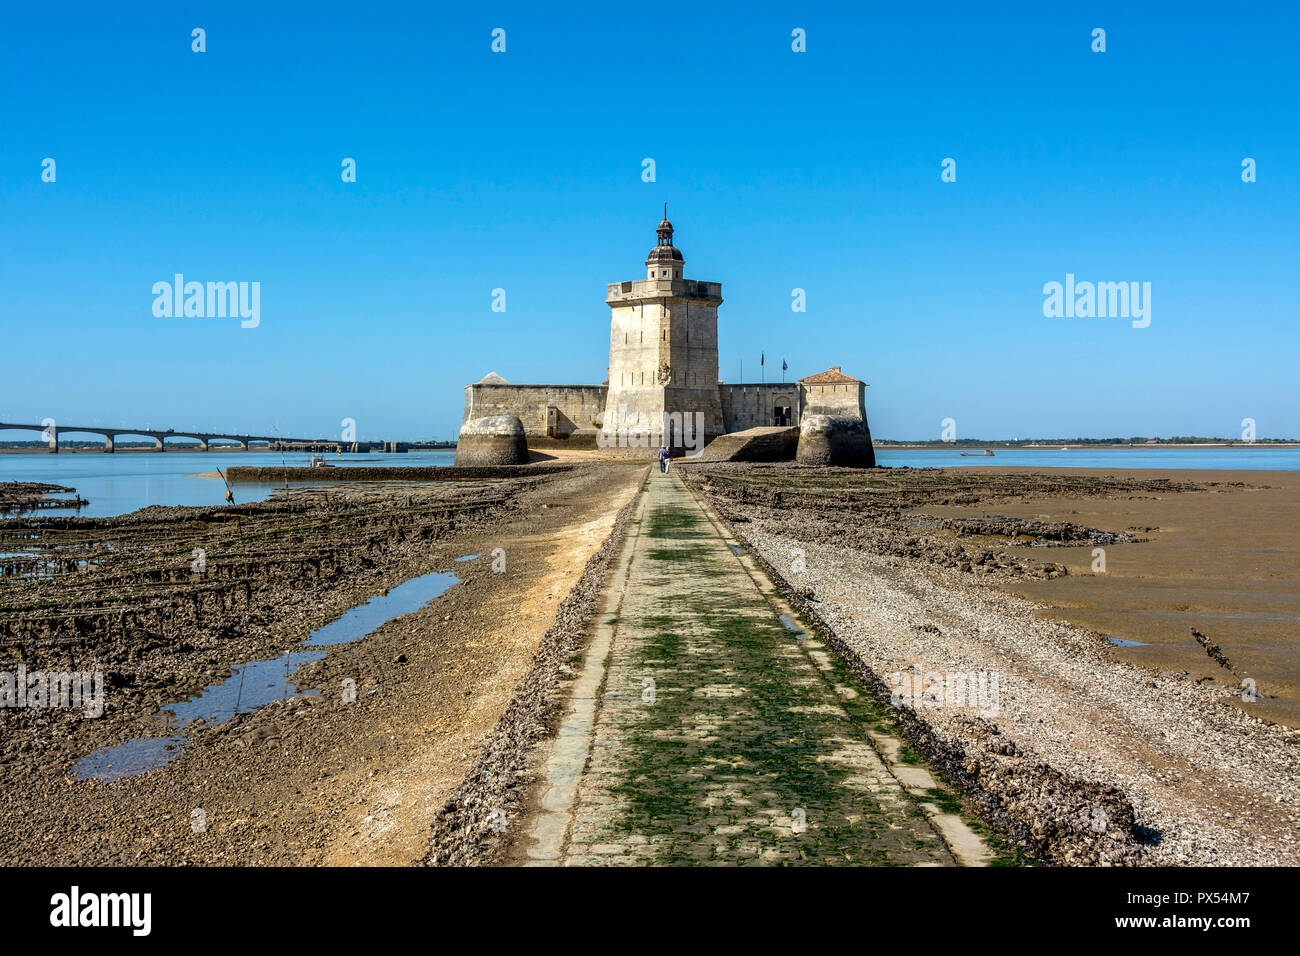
(160, 436)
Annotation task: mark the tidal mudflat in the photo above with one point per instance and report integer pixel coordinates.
(1221, 560)
(166, 601)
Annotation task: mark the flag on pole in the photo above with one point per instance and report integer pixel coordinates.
(783, 365)
(762, 358)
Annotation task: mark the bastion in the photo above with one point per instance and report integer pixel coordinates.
(846, 442)
(493, 440)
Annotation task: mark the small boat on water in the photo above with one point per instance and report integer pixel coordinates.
(318, 461)
(986, 453)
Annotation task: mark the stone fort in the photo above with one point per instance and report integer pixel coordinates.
(662, 385)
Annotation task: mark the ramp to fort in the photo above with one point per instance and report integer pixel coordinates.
(769, 443)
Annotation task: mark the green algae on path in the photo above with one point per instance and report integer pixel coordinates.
(722, 736)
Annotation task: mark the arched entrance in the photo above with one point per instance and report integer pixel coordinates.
(782, 410)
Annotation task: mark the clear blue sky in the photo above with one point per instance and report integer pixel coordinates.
(522, 170)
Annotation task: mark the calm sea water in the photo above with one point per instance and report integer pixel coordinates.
(1225, 459)
(116, 484)
(255, 684)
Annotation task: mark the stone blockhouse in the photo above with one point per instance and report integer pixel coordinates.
(662, 373)
(833, 393)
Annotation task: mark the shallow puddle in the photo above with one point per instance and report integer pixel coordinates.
(1120, 642)
(256, 683)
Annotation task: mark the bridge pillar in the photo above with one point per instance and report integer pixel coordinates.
(158, 443)
(203, 444)
(243, 445)
(54, 440)
(109, 445)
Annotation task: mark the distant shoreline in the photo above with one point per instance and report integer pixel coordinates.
(1078, 446)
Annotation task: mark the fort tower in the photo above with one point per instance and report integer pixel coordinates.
(663, 351)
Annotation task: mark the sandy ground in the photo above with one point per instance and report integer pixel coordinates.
(471, 676)
(574, 454)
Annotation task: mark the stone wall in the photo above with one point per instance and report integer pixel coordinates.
(576, 408)
(750, 405)
(278, 475)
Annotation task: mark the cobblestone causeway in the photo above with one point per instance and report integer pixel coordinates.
(721, 735)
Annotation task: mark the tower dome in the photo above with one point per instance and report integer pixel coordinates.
(665, 260)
